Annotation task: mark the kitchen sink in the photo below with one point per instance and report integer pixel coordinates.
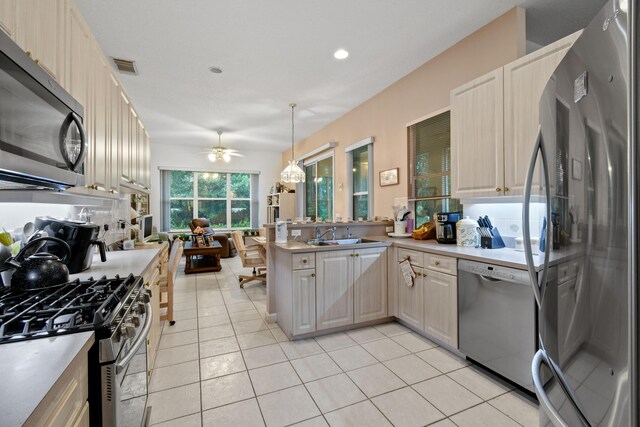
(331, 242)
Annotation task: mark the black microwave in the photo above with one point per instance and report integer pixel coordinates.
(42, 138)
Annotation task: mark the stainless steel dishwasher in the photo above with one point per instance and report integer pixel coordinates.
(497, 319)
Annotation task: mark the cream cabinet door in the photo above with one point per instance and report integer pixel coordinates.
(410, 300)
(39, 31)
(114, 135)
(334, 289)
(476, 137)
(441, 307)
(8, 17)
(304, 301)
(125, 138)
(370, 284)
(78, 53)
(524, 82)
(98, 156)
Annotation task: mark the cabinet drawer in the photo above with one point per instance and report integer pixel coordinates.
(301, 261)
(568, 271)
(414, 257)
(442, 264)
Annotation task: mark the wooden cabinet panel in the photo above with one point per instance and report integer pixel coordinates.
(8, 17)
(442, 264)
(125, 138)
(78, 54)
(83, 417)
(98, 155)
(370, 284)
(302, 261)
(114, 135)
(524, 82)
(334, 289)
(441, 306)
(415, 258)
(304, 301)
(410, 299)
(476, 137)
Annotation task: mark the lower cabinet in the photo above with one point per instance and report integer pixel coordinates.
(151, 276)
(334, 288)
(441, 306)
(304, 301)
(369, 284)
(410, 299)
(431, 304)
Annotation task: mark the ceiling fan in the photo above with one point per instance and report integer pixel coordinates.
(222, 153)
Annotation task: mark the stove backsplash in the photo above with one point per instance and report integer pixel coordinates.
(14, 215)
(506, 216)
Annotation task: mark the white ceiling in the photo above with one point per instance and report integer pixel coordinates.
(281, 51)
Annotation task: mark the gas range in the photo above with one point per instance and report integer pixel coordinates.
(76, 306)
(119, 312)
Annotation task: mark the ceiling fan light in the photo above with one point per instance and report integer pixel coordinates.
(212, 157)
(226, 157)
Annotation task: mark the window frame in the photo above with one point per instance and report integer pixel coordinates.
(314, 161)
(368, 142)
(411, 160)
(411, 167)
(196, 199)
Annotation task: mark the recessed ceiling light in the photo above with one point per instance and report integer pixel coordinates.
(340, 54)
(215, 70)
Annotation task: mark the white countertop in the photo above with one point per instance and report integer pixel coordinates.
(120, 262)
(29, 370)
(507, 257)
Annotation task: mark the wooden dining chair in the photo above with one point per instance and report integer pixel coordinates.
(166, 285)
(250, 257)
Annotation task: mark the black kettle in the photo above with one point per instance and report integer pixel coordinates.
(40, 270)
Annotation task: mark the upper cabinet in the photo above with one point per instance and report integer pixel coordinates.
(476, 137)
(56, 36)
(8, 17)
(39, 31)
(494, 123)
(524, 82)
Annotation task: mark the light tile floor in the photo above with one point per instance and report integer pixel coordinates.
(222, 365)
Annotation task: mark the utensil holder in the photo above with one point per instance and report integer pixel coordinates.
(400, 227)
(493, 242)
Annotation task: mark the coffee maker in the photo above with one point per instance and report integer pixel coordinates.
(446, 226)
(81, 236)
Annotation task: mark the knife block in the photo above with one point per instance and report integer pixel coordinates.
(493, 242)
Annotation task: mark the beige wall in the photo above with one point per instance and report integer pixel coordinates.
(418, 94)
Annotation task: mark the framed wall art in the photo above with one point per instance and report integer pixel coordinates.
(389, 177)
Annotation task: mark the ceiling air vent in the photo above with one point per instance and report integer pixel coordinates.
(125, 66)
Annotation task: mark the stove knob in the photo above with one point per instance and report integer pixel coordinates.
(135, 319)
(141, 308)
(128, 330)
(512, 276)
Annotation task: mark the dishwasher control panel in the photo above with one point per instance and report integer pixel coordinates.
(494, 271)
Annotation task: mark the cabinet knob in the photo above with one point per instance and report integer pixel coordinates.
(304, 261)
(313, 274)
(37, 61)
(506, 189)
(418, 274)
(357, 254)
(498, 189)
(437, 263)
(28, 53)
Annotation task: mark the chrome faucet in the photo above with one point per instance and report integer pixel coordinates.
(332, 230)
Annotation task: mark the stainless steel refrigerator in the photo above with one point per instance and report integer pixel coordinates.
(584, 171)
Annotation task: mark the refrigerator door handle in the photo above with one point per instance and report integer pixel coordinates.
(545, 404)
(538, 147)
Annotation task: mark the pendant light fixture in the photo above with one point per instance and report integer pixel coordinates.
(292, 173)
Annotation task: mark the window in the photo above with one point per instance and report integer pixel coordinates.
(225, 199)
(319, 189)
(430, 167)
(360, 175)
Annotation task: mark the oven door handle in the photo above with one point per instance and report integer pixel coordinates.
(120, 366)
